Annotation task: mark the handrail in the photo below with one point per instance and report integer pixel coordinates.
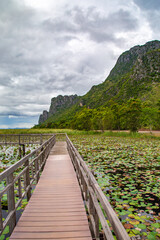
(24, 138)
(28, 168)
(95, 200)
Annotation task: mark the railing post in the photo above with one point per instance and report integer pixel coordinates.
(90, 205)
(1, 221)
(11, 203)
(43, 157)
(96, 221)
(20, 151)
(85, 190)
(37, 169)
(41, 139)
(40, 159)
(90, 210)
(27, 180)
(19, 188)
(24, 152)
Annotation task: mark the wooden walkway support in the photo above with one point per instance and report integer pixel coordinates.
(56, 209)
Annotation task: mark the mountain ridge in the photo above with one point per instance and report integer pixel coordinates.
(136, 74)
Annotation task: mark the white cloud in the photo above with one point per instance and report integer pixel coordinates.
(12, 116)
(3, 126)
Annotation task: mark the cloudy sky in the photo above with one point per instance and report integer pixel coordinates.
(49, 47)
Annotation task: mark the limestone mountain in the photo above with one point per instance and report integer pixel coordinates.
(136, 74)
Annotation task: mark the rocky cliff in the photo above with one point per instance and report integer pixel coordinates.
(128, 59)
(133, 76)
(61, 102)
(43, 117)
(58, 104)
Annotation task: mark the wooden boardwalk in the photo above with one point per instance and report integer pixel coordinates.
(56, 209)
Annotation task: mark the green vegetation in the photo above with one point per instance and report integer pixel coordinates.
(45, 131)
(70, 132)
(131, 115)
(35, 131)
(128, 171)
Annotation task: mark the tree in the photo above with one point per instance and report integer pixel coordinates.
(123, 117)
(133, 113)
(97, 119)
(149, 115)
(83, 119)
(103, 119)
(116, 111)
(108, 119)
(158, 115)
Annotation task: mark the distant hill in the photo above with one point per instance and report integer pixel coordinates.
(135, 75)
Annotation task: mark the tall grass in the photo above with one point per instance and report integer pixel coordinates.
(77, 132)
(43, 131)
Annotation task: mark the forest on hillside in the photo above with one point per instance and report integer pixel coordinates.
(132, 115)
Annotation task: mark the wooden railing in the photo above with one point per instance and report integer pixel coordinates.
(97, 205)
(17, 181)
(23, 138)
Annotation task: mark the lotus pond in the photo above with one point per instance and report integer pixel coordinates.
(8, 156)
(128, 171)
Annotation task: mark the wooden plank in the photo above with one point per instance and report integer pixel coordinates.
(54, 214)
(53, 204)
(59, 228)
(58, 196)
(56, 191)
(52, 218)
(55, 210)
(56, 235)
(35, 204)
(52, 224)
(75, 238)
(52, 196)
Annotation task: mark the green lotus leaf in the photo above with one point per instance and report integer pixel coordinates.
(141, 226)
(152, 236)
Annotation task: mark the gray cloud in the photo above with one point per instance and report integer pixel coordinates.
(99, 28)
(148, 4)
(152, 10)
